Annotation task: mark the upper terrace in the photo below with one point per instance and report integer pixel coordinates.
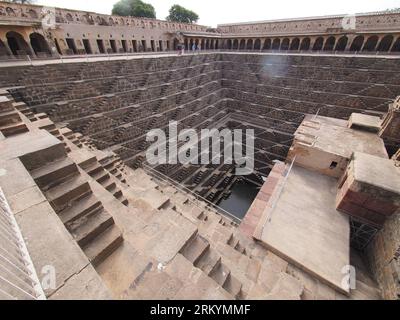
(37, 32)
(374, 22)
(29, 13)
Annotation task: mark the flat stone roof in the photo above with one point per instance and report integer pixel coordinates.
(377, 171)
(334, 137)
(303, 226)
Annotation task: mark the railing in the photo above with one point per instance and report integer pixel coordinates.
(200, 201)
(18, 278)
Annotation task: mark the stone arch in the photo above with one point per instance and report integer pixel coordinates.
(17, 43)
(357, 43)
(305, 44)
(216, 45)
(257, 44)
(276, 44)
(235, 45)
(370, 44)
(330, 44)
(396, 46)
(39, 43)
(342, 43)
(242, 44)
(267, 44)
(318, 44)
(385, 43)
(229, 44)
(208, 44)
(295, 44)
(2, 11)
(285, 44)
(111, 21)
(249, 45)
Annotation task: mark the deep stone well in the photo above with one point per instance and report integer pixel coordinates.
(109, 106)
(116, 103)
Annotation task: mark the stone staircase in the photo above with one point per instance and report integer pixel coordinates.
(217, 246)
(101, 173)
(199, 253)
(10, 121)
(71, 197)
(166, 226)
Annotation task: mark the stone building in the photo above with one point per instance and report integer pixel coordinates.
(78, 197)
(42, 31)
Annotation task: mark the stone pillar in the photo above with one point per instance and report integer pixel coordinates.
(393, 43)
(350, 40)
(324, 39)
(312, 42)
(5, 42)
(53, 48)
(32, 52)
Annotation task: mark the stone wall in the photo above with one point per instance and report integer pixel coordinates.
(115, 103)
(384, 258)
(70, 32)
(375, 22)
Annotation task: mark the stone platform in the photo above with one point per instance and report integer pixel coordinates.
(303, 226)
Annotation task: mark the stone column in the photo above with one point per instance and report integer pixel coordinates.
(350, 39)
(312, 42)
(32, 52)
(5, 42)
(393, 43)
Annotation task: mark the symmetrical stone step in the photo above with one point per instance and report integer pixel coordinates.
(233, 286)
(70, 195)
(62, 195)
(13, 129)
(87, 205)
(90, 226)
(208, 262)
(194, 250)
(202, 256)
(103, 245)
(100, 176)
(9, 117)
(220, 274)
(54, 172)
(98, 173)
(10, 121)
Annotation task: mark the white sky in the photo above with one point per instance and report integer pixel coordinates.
(213, 12)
